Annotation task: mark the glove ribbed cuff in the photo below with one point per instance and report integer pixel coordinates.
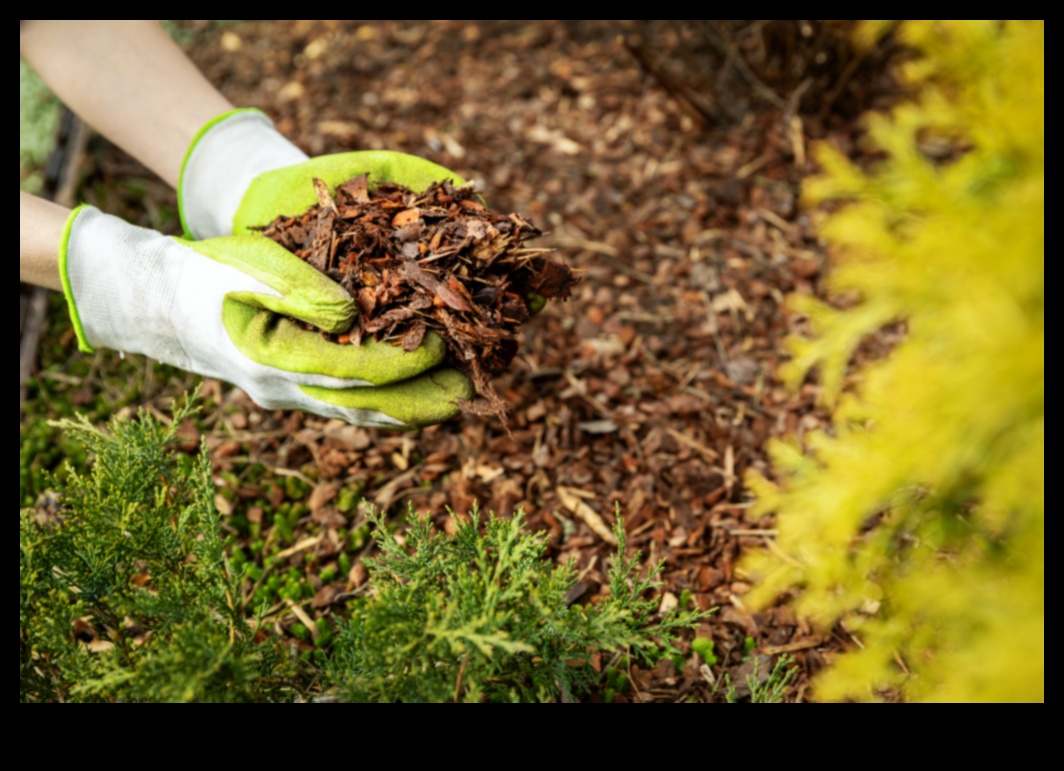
(224, 159)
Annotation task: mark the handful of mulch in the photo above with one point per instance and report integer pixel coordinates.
(433, 261)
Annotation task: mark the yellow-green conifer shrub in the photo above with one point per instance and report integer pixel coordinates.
(919, 519)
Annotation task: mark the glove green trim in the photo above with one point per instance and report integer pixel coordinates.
(289, 192)
(276, 342)
(188, 155)
(306, 293)
(425, 401)
(64, 277)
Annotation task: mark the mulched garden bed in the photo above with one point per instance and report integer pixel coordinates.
(653, 389)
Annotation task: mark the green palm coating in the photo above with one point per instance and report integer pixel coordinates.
(289, 192)
(306, 293)
(274, 341)
(423, 401)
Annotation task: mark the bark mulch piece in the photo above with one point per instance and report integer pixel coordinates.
(437, 260)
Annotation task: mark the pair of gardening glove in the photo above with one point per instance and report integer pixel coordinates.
(219, 304)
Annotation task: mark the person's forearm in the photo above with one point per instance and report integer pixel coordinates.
(40, 230)
(129, 81)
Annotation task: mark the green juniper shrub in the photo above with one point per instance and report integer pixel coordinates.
(482, 616)
(125, 593)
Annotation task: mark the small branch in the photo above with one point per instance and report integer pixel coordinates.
(63, 179)
(844, 80)
(734, 58)
(461, 677)
(682, 93)
(35, 316)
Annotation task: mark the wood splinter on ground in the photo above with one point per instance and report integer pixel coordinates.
(435, 261)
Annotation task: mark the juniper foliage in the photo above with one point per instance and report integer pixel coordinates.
(125, 594)
(772, 691)
(484, 616)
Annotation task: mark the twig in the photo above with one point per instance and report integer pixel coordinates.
(302, 546)
(628, 270)
(679, 91)
(733, 56)
(844, 80)
(588, 515)
(24, 308)
(796, 647)
(304, 619)
(795, 100)
(706, 452)
(62, 173)
(755, 166)
(461, 676)
(780, 554)
(31, 338)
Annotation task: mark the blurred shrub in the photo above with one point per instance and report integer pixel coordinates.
(919, 520)
(38, 123)
(185, 32)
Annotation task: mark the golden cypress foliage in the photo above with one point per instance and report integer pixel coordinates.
(919, 520)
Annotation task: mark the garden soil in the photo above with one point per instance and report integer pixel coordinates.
(650, 394)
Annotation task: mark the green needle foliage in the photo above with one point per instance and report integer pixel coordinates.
(773, 690)
(124, 592)
(483, 616)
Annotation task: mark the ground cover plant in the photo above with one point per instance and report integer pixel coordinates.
(920, 519)
(435, 259)
(481, 616)
(126, 594)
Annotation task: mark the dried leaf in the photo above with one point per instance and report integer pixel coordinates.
(326, 597)
(322, 495)
(404, 218)
(413, 339)
(357, 189)
(452, 296)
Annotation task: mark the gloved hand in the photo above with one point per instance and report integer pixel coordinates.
(240, 173)
(219, 308)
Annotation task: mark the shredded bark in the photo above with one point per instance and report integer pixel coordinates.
(437, 261)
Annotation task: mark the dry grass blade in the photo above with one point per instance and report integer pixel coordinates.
(587, 515)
